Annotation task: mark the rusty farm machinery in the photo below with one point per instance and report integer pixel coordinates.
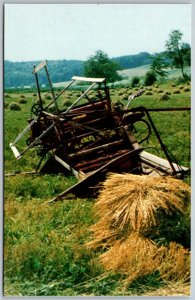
(92, 136)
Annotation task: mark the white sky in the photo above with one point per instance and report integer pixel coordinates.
(76, 31)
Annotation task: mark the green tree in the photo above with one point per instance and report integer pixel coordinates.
(150, 78)
(177, 51)
(158, 66)
(100, 65)
(135, 81)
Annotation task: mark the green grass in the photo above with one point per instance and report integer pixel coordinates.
(44, 245)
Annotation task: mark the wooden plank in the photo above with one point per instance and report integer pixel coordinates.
(15, 151)
(40, 66)
(159, 162)
(105, 168)
(22, 173)
(88, 79)
(67, 166)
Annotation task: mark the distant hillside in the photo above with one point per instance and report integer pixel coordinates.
(19, 74)
(133, 61)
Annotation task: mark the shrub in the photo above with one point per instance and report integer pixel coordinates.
(135, 81)
(164, 97)
(186, 89)
(120, 92)
(7, 96)
(124, 97)
(176, 92)
(150, 78)
(34, 95)
(67, 103)
(48, 97)
(149, 93)
(14, 106)
(23, 101)
(22, 96)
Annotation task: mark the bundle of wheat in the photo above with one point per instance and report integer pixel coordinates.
(175, 265)
(134, 203)
(136, 256)
(132, 210)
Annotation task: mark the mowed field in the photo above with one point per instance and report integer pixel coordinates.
(45, 249)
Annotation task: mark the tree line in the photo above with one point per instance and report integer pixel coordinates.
(18, 74)
(177, 54)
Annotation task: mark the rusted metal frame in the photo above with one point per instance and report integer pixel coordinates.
(142, 109)
(107, 96)
(133, 142)
(38, 88)
(51, 88)
(73, 123)
(87, 163)
(99, 94)
(101, 161)
(87, 108)
(80, 125)
(98, 148)
(93, 175)
(160, 140)
(127, 135)
(148, 128)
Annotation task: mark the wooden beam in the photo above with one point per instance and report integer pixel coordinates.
(40, 66)
(88, 79)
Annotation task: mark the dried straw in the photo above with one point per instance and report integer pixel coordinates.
(131, 203)
(134, 257)
(175, 264)
(129, 208)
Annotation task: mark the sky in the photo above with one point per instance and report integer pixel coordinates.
(77, 31)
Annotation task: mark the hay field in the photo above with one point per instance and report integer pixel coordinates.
(45, 249)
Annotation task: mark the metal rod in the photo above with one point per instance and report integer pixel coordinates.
(67, 166)
(159, 139)
(47, 106)
(89, 151)
(37, 139)
(38, 88)
(78, 99)
(51, 88)
(24, 131)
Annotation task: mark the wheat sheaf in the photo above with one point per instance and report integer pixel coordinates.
(130, 209)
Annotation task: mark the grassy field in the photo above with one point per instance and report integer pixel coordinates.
(44, 245)
(128, 74)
